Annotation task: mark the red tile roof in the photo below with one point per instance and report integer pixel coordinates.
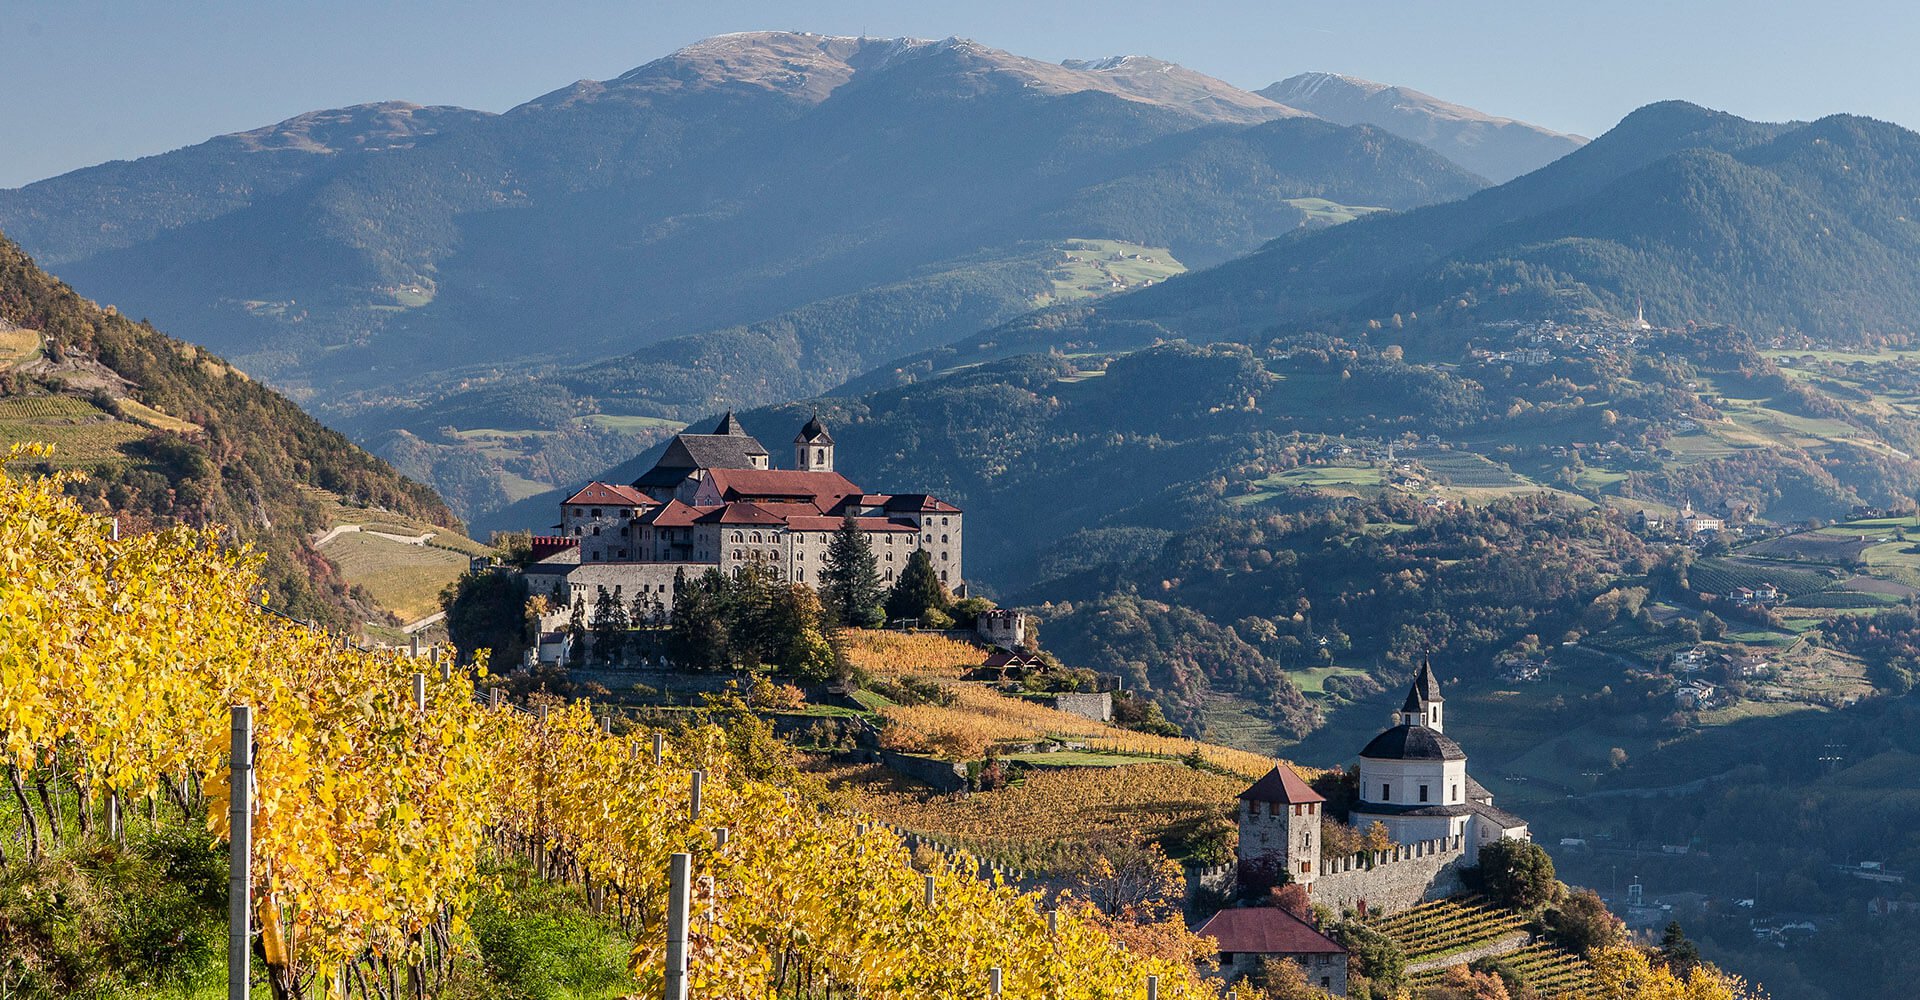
(675, 514)
(823, 489)
(741, 512)
(1282, 785)
(610, 495)
(1267, 930)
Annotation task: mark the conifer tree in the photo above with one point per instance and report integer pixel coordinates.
(577, 633)
(609, 627)
(850, 584)
(919, 590)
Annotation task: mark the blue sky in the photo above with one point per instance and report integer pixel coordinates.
(92, 80)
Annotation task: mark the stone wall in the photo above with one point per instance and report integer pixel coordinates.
(1393, 880)
(944, 775)
(1098, 707)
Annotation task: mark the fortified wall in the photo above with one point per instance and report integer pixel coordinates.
(1396, 879)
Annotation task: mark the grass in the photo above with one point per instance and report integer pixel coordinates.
(1337, 480)
(404, 579)
(1091, 268)
(630, 424)
(1314, 681)
(155, 419)
(1321, 212)
(18, 346)
(1079, 758)
(83, 435)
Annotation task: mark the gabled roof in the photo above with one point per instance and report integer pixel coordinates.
(729, 425)
(674, 514)
(1267, 930)
(1284, 786)
(609, 494)
(814, 432)
(741, 513)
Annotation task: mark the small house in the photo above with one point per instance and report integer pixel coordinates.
(1247, 934)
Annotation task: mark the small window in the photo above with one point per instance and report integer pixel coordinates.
(1423, 793)
(943, 576)
(1456, 793)
(1386, 793)
(596, 512)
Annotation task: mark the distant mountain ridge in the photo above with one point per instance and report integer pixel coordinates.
(372, 260)
(1496, 148)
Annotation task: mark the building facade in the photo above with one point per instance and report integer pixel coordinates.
(714, 501)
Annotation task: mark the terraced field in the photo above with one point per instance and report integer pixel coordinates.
(1552, 971)
(83, 435)
(1448, 927)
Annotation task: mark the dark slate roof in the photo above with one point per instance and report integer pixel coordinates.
(1283, 786)
(920, 502)
(1477, 792)
(1404, 742)
(687, 452)
(729, 425)
(1425, 684)
(1504, 819)
(814, 432)
(1412, 704)
(1267, 930)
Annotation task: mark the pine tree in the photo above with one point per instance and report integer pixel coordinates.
(919, 590)
(609, 627)
(850, 584)
(577, 633)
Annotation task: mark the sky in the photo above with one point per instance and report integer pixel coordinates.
(94, 80)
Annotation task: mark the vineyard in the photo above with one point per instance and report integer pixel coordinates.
(85, 435)
(1720, 576)
(1432, 932)
(1443, 927)
(380, 790)
(897, 654)
(978, 718)
(1050, 822)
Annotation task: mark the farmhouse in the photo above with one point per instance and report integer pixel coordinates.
(1245, 935)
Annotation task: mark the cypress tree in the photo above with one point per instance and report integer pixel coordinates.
(918, 590)
(850, 584)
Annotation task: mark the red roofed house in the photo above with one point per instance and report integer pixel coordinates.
(713, 502)
(1245, 935)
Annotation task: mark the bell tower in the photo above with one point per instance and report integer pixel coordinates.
(1280, 827)
(813, 447)
(1424, 706)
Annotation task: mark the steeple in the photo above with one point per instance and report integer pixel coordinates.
(1424, 705)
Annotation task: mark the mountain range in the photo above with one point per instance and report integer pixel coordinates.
(752, 218)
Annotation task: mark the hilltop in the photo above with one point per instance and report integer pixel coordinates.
(1496, 148)
(841, 201)
(165, 432)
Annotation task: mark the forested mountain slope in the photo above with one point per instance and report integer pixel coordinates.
(166, 432)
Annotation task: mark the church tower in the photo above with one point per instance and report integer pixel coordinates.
(1280, 828)
(813, 447)
(1424, 706)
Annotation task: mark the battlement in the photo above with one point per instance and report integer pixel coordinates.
(1396, 879)
(1368, 860)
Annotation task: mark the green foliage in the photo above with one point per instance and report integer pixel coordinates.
(537, 940)
(750, 621)
(1581, 922)
(918, 593)
(1371, 953)
(850, 584)
(99, 922)
(488, 611)
(1517, 874)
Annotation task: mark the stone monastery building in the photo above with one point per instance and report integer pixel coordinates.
(714, 501)
(1412, 779)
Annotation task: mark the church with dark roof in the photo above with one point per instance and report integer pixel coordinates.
(1413, 781)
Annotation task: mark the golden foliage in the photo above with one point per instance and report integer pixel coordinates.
(1629, 974)
(895, 654)
(371, 813)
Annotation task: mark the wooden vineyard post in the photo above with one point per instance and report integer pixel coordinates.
(699, 779)
(493, 699)
(420, 691)
(1153, 988)
(659, 747)
(930, 894)
(993, 982)
(240, 868)
(679, 893)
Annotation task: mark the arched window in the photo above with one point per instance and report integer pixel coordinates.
(737, 536)
(756, 538)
